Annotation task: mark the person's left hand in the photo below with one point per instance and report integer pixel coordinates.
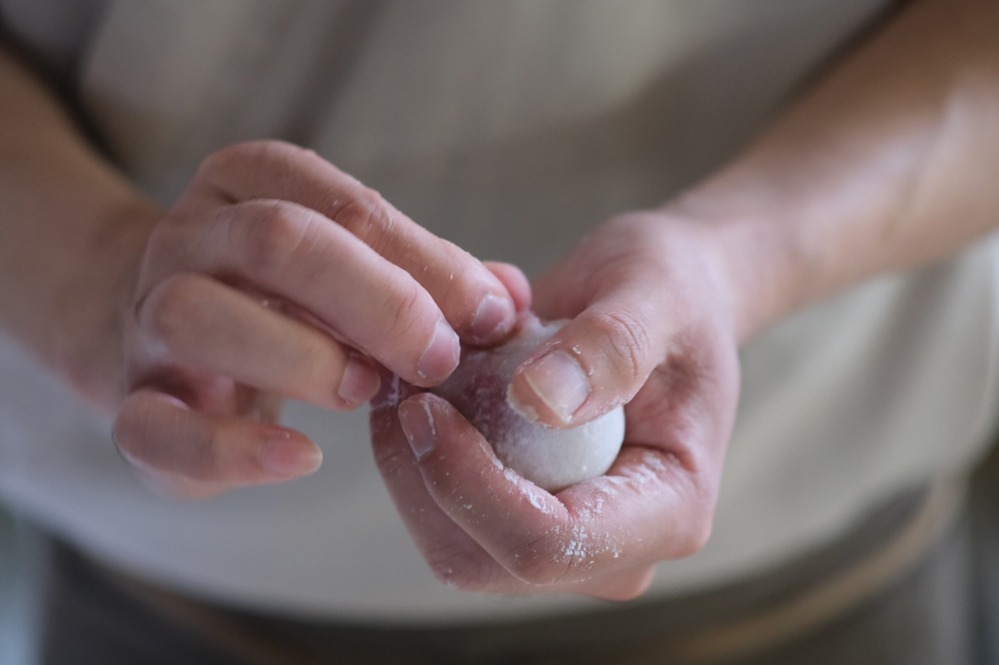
(652, 326)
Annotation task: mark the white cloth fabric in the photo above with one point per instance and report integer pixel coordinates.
(510, 128)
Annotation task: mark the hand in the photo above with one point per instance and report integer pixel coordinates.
(652, 326)
(276, 275)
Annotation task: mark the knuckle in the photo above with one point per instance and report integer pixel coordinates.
(238, 155)
(278, 238)
(368, 217)
(248, 162)
(219, 164)
(166, 313)
(400, 309)
(626, 339)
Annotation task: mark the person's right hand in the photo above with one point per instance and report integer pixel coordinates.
(277, 275)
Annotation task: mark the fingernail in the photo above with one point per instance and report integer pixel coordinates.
(559, 382)
(441, 355)
(358, 384)
(288, 456)
(417, 422)
(494, 317)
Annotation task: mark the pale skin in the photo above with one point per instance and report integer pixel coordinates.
(888, 164)
(275, 275)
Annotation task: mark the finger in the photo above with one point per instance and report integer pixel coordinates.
(650, 506)
(453, 556)
(472, 299)
(295, 253)
(438, 523)
(197, 455)
(596, 362)
(196, 322)
(538, 538)
(515, 281)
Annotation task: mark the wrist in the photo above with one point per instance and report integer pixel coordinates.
(752, 263)
(89, 348)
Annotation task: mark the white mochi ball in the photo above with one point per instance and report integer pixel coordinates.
(550, 458)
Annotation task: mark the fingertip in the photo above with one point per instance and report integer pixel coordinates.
(598, 361)
(494, 319)
(439, 358)
(358, 384)
(515, 281)
(497, 310)
(416, 417)
(285, 454)
(430, 422)
(550, 389)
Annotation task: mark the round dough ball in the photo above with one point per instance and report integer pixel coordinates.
(550, 458)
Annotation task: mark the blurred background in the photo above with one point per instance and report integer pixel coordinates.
(16, 606)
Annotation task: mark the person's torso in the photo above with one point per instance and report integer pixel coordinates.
(509, 128)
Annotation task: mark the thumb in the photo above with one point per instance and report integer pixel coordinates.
(596, 362)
